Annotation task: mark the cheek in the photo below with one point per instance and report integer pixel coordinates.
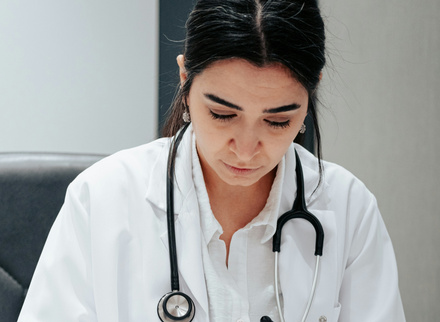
(209, 141)
(277, 145)
(279, 148)
(210, 138)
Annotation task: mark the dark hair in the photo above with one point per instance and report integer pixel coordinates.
(290, 32)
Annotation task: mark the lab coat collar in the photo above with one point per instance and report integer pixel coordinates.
(209, 224)
(311, 175)
(156, 191)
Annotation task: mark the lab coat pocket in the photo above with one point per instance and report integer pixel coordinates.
(334, 317)
(336, 312)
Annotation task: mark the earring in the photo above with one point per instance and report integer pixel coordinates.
(303, 129)
(186, 117)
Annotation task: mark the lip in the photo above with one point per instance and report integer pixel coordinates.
(240, 171)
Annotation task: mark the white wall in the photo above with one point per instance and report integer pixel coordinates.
(77, 76)
(381, 120)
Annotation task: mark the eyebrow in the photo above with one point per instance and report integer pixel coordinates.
(221, 101)
(274, 110)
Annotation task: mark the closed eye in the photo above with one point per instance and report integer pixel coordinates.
(222, 117)
(228, 117)
(280, 125)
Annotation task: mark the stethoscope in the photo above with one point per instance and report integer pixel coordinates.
(176, 305)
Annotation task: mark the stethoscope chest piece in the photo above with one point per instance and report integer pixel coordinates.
(176, 306)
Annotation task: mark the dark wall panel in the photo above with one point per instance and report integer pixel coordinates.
(172, 15)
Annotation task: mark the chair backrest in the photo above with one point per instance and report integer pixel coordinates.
(32, 189)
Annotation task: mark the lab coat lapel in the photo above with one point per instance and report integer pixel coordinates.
(297, 260)
(189, 257)
(188, 237)
(187, 223)
(297, 264)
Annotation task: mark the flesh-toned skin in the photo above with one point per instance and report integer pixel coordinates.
(244, 118)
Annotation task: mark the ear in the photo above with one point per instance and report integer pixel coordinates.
(320, 76)
(182, 71)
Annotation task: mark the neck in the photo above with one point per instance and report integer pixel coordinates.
(236, 206)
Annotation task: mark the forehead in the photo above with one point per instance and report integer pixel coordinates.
(243, 69)
(240, 78)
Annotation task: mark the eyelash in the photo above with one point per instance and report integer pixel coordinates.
(221, 117)
(280, 125)
(228, 117)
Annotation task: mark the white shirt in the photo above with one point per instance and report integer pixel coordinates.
(243, 290)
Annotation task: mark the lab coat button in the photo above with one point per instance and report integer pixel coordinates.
(322, 318)
(240, 320)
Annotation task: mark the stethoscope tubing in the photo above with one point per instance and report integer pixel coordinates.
(170, 211)
(277, 291)
(175, 305)
(312, 292)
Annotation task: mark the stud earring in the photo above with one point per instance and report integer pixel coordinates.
(186, 117)
(303, 129)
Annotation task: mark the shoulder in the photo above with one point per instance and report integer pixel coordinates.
(339, 184)
(126, 167)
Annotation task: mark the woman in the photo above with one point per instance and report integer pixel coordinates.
(249, 75)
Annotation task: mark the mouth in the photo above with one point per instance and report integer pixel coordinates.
(240, 171)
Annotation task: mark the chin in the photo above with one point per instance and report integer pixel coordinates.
(240, 181)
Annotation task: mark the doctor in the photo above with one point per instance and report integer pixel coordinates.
(248, 77)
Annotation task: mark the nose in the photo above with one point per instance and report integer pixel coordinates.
(245, 144)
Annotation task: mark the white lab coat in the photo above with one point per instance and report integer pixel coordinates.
(106, 258)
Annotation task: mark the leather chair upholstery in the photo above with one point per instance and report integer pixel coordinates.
(32, 189)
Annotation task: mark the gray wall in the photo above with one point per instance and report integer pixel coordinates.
(77, 76)
(381, 120)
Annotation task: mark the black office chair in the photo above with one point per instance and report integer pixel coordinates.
(32, 189)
